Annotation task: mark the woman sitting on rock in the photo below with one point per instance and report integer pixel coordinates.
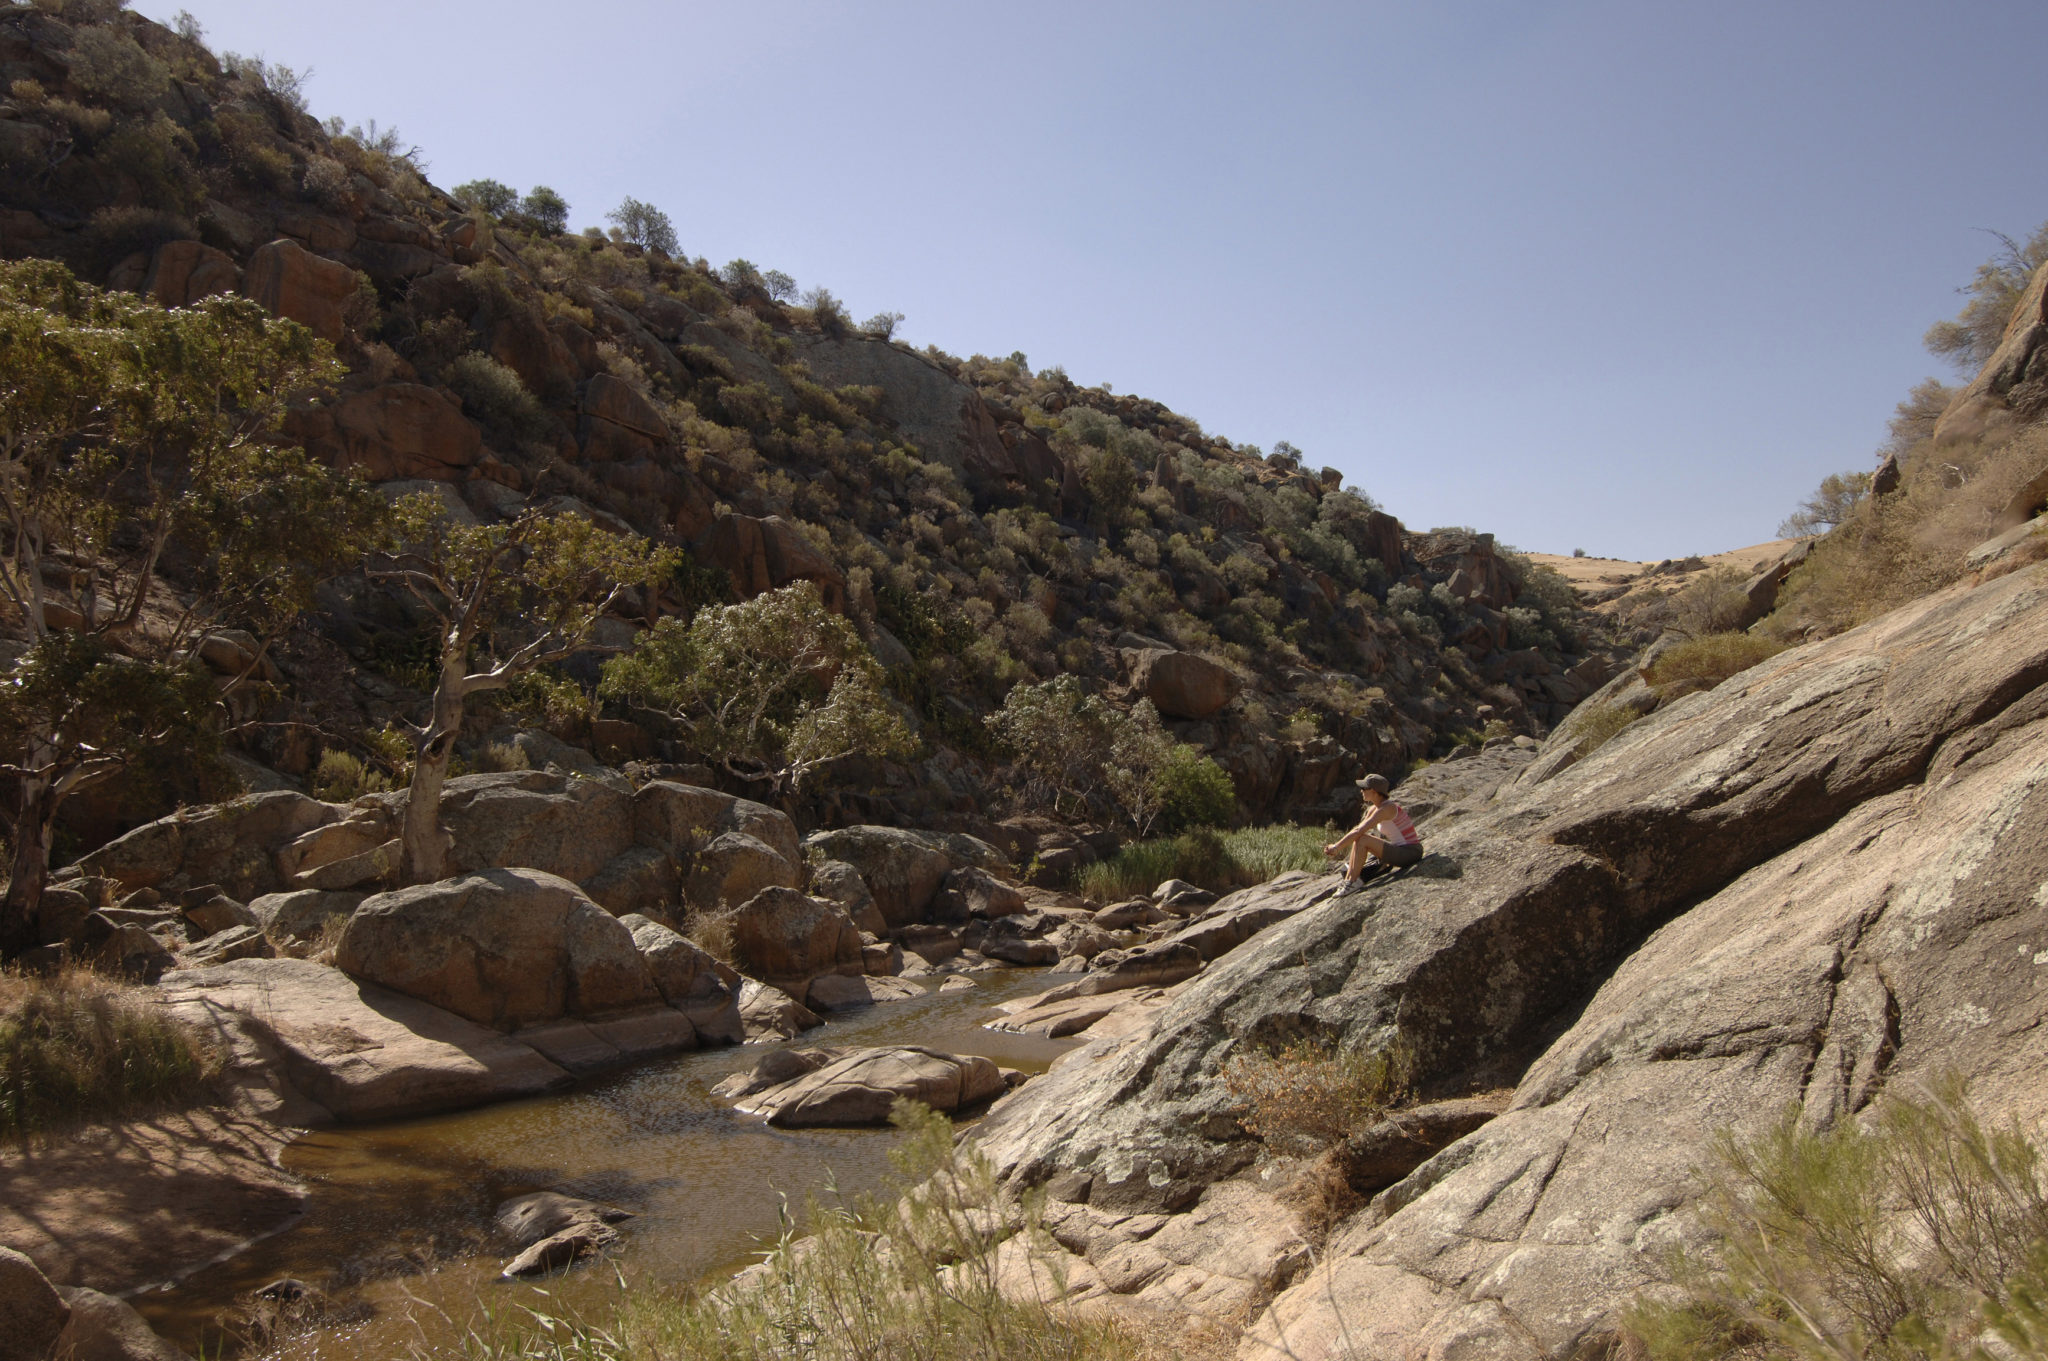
(1385, 835)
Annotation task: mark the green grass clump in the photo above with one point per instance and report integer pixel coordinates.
(1217, 861)
(75, 1047)
(1712, 658)
(918, 1274)
(1923, 1238)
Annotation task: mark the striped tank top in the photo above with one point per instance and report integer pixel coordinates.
(1398, 828)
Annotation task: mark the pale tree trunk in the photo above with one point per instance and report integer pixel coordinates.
(423, 849)
(31, 867)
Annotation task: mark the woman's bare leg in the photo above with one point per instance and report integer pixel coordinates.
(1360, 849)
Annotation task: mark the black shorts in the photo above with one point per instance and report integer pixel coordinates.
(1409, 853)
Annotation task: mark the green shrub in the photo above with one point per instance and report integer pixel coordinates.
(487, 196)
(75, 1047)
(547, 209)
(1195, 791)
(341, 777)
(1712, 658)
(1913, 1240)
(914, 1274)
(495, 396)
(110, 64)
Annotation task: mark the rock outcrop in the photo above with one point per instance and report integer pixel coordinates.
(904, 870)
(1818, 879)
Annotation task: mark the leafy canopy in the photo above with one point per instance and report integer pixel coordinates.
(772, 689)
(1094, 757)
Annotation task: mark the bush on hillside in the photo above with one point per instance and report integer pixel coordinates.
(1924, 1237)
(548, 210)
(1969, 339)
(487, 196)
(1712, 658)
(76, 1047)
(496, 397)
(1903, 545)
(644, 225)
(1829, 505)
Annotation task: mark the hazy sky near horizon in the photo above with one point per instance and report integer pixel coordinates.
(1627, 277)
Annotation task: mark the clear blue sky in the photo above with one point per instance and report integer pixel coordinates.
(1622, 276)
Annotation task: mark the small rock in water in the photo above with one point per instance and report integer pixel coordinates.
(958, 984)
(837, 992)
(552, 1254)
(556, 1230)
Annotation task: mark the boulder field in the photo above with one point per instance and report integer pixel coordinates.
(1826, 877)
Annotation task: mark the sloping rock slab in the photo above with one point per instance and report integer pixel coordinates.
(1237, 918)
(1519, 912)
(1901, 944)
(359, 1051)
(860, 1087)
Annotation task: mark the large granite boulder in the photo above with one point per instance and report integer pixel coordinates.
(32, 1313)
(734, 867)
(904, 870)
(787, 938)
(293, 282)
(228, 844)
(769, 1014)
(502, 947)
(303, 914)
(1181, 684)
(103, 1328)
(1834, 859)
(763, 554)
(690, 980)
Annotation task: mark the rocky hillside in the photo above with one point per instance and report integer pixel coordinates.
(982, 521)
(1817, 881)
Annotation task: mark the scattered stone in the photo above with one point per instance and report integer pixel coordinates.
(958, 984)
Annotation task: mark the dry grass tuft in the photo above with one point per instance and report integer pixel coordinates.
(1713, 658)
(75, 1047)
(1304, 1097)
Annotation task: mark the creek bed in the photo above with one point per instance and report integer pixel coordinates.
(398, 1230)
